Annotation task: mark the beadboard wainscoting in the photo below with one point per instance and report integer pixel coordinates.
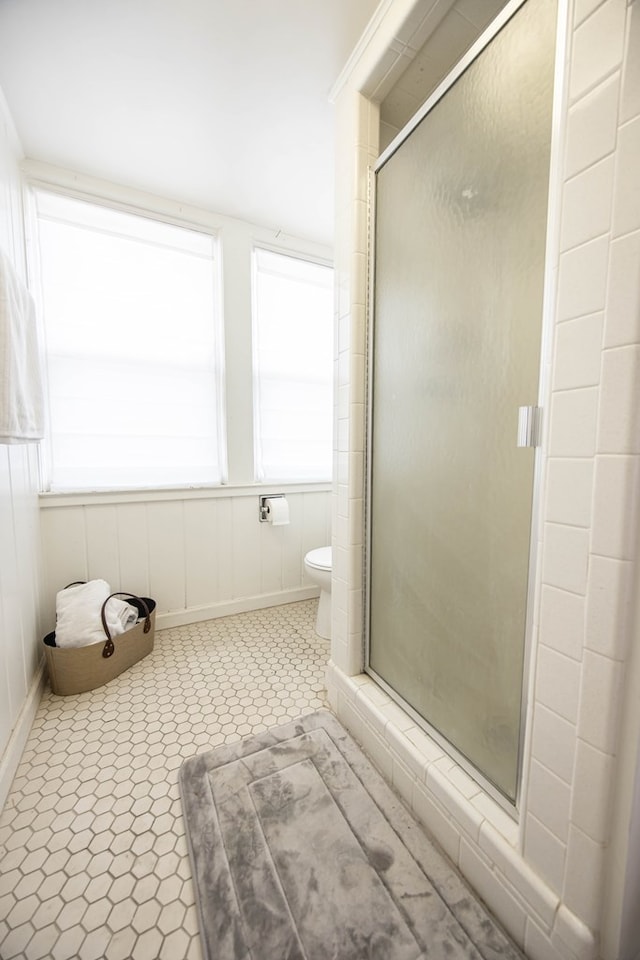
(200, 554)
(20, 673)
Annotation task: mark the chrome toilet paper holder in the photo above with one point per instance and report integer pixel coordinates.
(263, 506)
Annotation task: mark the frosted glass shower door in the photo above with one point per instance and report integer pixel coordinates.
(459, 259)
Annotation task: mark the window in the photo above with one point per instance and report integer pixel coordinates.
(293, 367)
(133, 349)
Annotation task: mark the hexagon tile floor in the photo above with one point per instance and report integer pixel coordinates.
(93, 856)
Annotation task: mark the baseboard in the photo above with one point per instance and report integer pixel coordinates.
(15, 748)
(227, 608)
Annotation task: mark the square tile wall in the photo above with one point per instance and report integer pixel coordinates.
(588, 518)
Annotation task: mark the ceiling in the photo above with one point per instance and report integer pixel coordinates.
(222, 104)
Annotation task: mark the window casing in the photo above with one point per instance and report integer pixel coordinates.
(133, 346)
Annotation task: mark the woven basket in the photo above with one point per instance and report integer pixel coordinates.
(78, 669)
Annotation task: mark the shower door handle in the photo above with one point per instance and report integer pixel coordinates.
(528, 427)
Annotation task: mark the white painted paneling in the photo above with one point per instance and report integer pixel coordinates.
(20, 569)
(245, 548)
(133, 548)
(224, 549)
(201, 552)
(197, 557)
(64, 554)
(291, 565)
(101, 531)
(166, 554)
(12, 646)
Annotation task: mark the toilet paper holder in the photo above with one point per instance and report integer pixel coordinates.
(263, 505)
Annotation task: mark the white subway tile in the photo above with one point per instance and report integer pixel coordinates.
(370, 692)
(500, 898)
(592, 126)
(598, 45)
(407, 752)
(562, 619)
(586, 204)
(545, 854)
(615, 507)
(435, 821)
(622, 321)
(349, 716)
(377, 751)
(402, 779)
(583, 878)
(548, 800)
(569, 491)
(339, 646)
(359, 346)
(357, 434)
(574, 421)
(397, 717)
(339, 594)
(499, 819)
(584, 9)
(356, 613)
(578, 353)
(565, 557)
(591, 795)
(427, 747)
(630, 98)
(459, 809)
(537, 944)
(462, 782)
(553, 742)
(558, 683)
(535, 893)
(610, 599)
(359, 277)
(600, 699)
(570, 932)
(626, 204)
(582, 281)
(619, 416)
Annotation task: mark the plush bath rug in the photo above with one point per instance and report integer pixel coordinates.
(300, 851)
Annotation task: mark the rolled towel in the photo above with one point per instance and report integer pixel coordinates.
(79, 614)
(119, 615)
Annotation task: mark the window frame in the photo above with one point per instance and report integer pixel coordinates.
(256, 247)
(151, 212)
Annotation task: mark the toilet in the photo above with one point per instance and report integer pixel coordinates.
(317, 565)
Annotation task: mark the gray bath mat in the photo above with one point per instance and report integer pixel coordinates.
(300, 851)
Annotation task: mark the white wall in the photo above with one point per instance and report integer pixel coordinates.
(198, 553)
(558, 876)
(20, 589)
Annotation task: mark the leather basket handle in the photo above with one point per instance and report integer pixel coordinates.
(109, 649)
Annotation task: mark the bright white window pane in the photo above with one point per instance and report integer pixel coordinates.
(132, 348)
(293, 367)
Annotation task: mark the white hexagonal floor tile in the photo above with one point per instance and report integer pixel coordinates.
(94, 856)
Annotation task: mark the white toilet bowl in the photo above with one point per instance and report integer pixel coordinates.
(317, 565)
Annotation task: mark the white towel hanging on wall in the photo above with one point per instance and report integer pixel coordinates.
(21, 389)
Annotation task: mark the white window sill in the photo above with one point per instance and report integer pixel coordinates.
(80, 498)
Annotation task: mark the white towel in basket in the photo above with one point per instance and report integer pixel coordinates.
(78, 614)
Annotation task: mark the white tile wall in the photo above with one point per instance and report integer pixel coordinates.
(588, 561)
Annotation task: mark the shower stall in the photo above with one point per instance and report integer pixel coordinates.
(458, 258)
